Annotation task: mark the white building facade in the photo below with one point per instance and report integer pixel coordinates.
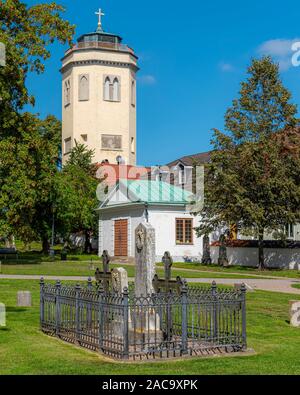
(174, 226)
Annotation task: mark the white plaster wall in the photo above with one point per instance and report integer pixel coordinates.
(106, 227)
(164, 220)
(288, 258)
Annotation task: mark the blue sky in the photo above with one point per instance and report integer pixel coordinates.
(193, 56)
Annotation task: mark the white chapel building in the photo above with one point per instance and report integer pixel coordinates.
(162, 205)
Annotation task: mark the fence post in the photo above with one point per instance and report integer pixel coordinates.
(57, 307)
(125, 320)
(244, 335)
(215, 310)
(77, 313)
(184, 332)
(42, 303)
(89, 305)
(101, 317)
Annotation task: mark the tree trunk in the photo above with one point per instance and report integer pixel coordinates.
(261, 257)
(46, 245)
(87, 243)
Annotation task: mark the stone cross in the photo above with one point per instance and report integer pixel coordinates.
(100, 14)
(104, 277)
(166, 284)
(145, 258)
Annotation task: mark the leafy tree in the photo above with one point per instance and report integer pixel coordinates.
(76, 199)
(28, 145)
(253, 177)
(28, 166)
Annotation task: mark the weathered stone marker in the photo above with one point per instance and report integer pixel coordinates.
(144, 259)
(2, 315)
(206, 259)
(119, 280)
(223, 260)
(104, 278)
(24, 299)
(295, 313)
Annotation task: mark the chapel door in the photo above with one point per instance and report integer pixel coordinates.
(121, 237)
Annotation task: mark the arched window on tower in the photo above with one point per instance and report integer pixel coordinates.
(112, 90)
(133, 93)
(116, 90)
(67, 92)
(83, 93)
(107, 88)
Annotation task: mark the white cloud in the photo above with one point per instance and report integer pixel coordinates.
(147, 79)
(226, 67)
(280, 49)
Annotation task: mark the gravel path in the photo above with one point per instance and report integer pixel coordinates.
(275, 285)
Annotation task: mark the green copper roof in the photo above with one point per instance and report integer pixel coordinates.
(159, 192)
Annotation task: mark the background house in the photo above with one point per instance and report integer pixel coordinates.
(163, 205)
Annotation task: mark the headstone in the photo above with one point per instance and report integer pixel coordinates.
(2, 315)
(295, 313)
(206, 259)
(119, 280)
(24, 299)
(2, 55)
(104, 278)
(146, 320)
(167, 285)
(223, 260)
(144, 259)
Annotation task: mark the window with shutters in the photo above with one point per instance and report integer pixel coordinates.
(184, 231)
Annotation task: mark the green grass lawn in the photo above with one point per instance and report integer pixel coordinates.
(24, 349)
(296, 286)
(79, 268)
(246, 271)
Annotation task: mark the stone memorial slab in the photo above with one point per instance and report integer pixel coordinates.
(2, 315)
(2, 55)
(295, 313)
(145, 258)
(119, 280)
(24, 299)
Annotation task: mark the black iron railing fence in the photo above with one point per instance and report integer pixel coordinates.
(197, 321)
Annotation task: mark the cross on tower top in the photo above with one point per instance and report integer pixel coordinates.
(100, 14)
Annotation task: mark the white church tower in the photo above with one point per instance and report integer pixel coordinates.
(99, 97)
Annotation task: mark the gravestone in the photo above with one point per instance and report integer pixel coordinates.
(167, 284)
(104, 278)
(2, 55)
(146, 320)
(223, 260)
(206, 259)
(119, 280)
(24, 299)
(295, 313)
(145, 258)
(2, 315)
